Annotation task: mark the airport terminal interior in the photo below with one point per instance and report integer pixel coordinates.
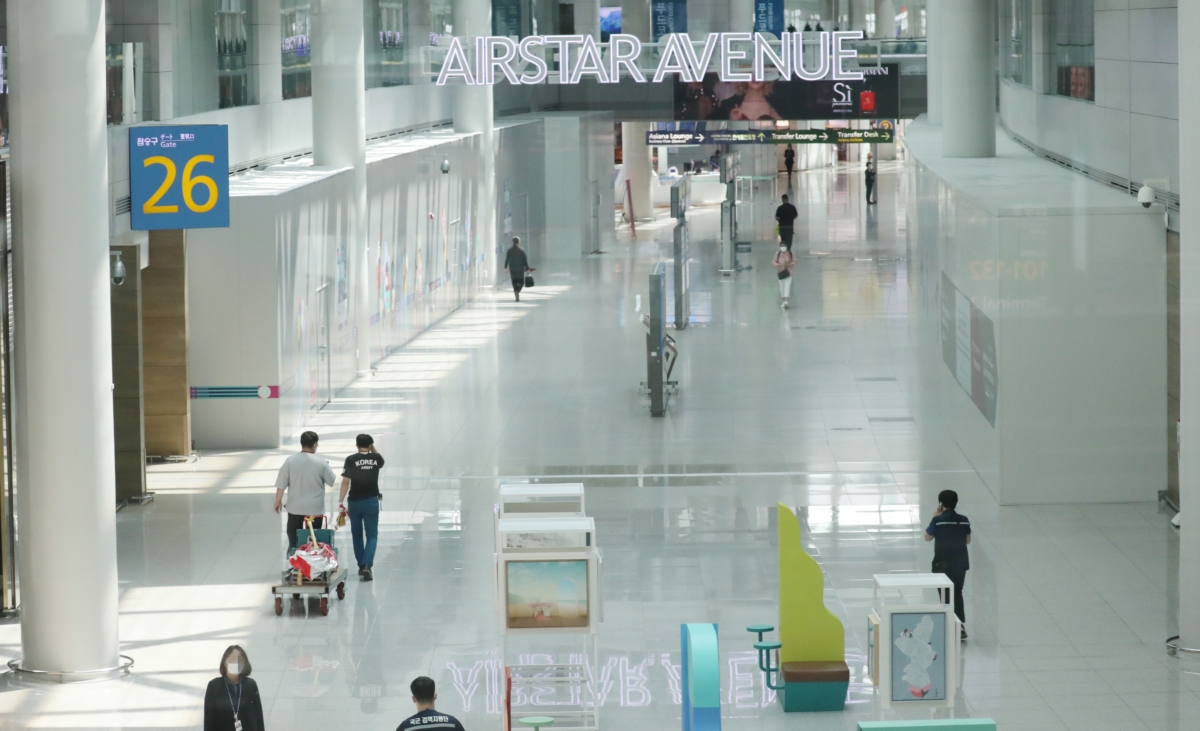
(733, 364)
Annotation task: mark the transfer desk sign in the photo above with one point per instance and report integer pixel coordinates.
(179, 177)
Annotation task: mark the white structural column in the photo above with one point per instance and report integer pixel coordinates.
(741, 16)
(635, 18)
(636, 163)
(885, 19)
(587, 18)
(267, 65)
(63, 356)
(1189, 329)
(858, 15)
(935, 48)
(968, 78)
(339, 120)
(473, 113)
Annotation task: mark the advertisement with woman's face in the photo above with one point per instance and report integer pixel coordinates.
(876, 96)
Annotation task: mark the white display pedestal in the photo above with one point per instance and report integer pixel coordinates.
(907, 626)
(548, 584)
(540, 500)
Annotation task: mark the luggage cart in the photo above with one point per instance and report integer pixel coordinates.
(294, 583)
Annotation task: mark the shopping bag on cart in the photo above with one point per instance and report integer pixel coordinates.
(314, 557)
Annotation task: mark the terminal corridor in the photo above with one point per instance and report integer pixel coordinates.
(827, 407)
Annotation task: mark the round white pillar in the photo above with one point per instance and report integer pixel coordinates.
(1189, 331)
(858, 15)
(885, 19)
(635, 19)
(66, 505)
(339, 119)
(741, 16)
(635, 161)
(473, 114)
(968, 32)
(935, 47)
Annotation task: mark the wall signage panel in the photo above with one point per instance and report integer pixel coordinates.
(969, 348)
(768, 17)
(667, 17)
(179, 177)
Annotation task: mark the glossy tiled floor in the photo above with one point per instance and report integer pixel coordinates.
(821, 407)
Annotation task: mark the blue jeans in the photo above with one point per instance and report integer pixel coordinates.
(364, 517)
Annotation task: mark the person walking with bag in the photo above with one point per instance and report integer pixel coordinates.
(784, 263)
(304, 477)
(517, 264)
(231, 702)
(789, 159)
(360, 477)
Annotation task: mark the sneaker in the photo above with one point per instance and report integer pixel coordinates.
(361, 569)
(964, 635)
(366, 574)
(785, 304)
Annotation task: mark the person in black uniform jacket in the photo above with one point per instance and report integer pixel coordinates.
(424, 695)
(517, 265)
(870, 177)
(786, 215)
(951, 532)
(231, 702)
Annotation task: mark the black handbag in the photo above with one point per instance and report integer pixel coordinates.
(528, 281)
(784, 274)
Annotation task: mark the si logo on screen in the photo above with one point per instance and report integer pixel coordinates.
(179, 177)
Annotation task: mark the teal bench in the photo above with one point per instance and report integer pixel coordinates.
(946, 724)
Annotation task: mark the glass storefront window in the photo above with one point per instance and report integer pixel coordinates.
(1016, 33)
(296, 23)
(232, 54)
(1072, 53)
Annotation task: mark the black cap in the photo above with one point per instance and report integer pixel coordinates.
(364, 440)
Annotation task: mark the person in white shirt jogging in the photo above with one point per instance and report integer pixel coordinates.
(303, 477)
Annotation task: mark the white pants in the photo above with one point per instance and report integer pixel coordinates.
(785, 287)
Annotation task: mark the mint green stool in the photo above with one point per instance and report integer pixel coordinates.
(537, 722)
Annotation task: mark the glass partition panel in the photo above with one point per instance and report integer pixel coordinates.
(1071, 34)
(1016, 32)
(124, 85)
(233, 51)
(295, 25)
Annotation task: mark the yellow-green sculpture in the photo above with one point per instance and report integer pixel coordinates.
(811, 673)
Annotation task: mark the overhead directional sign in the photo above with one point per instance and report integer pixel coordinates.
(769, 137)
(179, 177)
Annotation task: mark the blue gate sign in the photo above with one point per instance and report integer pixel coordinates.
(179, 177)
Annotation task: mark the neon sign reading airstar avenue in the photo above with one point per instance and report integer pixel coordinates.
(805, 56)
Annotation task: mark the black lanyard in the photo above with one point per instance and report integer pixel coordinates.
(230, 696)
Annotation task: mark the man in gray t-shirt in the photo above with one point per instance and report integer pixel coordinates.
(304, 477)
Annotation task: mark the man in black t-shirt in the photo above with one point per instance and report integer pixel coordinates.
(786, 215)
(951, 532)
(517, 265)
(426, 717)
(360, 477)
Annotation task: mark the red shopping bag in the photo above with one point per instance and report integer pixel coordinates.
(866, 101)
(313, 557)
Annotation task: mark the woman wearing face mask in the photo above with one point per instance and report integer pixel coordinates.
(231, 702)
(785, 264)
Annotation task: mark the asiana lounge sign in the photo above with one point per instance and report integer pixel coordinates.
(740, 57)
